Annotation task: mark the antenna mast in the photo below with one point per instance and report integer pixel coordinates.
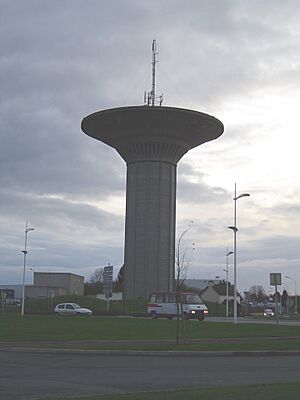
(154, 53)
(150, 98)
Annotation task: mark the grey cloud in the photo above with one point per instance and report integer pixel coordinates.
(199, 192)
(67, 235)
(45, 209)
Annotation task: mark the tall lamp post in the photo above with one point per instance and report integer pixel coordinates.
(235, 229)
(226, 270)
(24, 268)
(32, 269)
(296, 302)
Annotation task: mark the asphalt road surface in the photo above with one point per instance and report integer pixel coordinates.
(32, 375)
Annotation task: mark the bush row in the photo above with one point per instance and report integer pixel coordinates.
(99, 307)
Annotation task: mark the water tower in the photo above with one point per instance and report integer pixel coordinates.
(151, 139)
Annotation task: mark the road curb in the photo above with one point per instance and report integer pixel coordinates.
(153, 353)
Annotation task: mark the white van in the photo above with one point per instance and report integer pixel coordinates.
(166, 304)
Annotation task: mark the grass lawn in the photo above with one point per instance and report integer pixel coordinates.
(49, 327)
(41, 328)
(288, 391)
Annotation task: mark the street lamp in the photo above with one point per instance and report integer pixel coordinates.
(296, 302)
(226, 270)
(24, 268)
(235, 230)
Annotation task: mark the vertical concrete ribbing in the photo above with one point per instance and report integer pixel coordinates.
(150, 227)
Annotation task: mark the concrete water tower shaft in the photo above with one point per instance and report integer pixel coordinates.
(151, 140)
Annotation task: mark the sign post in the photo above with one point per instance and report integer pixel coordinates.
(108, 283)
(3, 297)
(275, 280)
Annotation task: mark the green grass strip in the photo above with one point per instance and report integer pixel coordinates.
(286, 391)
(49, 327)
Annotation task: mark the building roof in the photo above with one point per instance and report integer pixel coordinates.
(201, 283)
(220, 289)
(57, 273)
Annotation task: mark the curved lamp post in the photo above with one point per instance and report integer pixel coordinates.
(24, 268)
(296, 302)
(228, 253)
(235, 230)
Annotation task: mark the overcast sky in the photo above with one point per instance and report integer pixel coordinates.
(238, 60)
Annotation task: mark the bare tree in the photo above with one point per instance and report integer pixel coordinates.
(97, 276)
(182, 259)
(182, 263)
(94, 285)
(257, 293)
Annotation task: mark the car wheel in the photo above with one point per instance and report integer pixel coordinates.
(185, 316)
(153, 315)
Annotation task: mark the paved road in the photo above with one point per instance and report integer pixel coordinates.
(32, 375)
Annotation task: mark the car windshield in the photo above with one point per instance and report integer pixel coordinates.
(76, 305)
(191, 298)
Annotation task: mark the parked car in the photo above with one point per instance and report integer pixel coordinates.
(268, 312)
(71, 309)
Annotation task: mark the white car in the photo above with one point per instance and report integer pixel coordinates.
(71, 309)
(268, 312)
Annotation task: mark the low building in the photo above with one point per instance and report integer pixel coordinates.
(72, 283)
(201, 284)
(217, 293)
(49, 284)
(117, 296)
(16, 289)
(34, 292)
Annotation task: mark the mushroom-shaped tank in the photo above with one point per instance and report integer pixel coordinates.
(132, 130)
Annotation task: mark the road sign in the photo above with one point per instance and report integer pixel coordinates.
(275, 279)
(108, 274)
(108, 282)
(108, 279)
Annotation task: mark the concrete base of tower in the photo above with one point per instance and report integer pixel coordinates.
(150, 228)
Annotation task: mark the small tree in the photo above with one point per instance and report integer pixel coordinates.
(95, 282)
(182, 262)
(284, 300)
(257, 293)
(120, 280)
(97, 276)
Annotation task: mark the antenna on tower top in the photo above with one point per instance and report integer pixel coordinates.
(150, 98)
